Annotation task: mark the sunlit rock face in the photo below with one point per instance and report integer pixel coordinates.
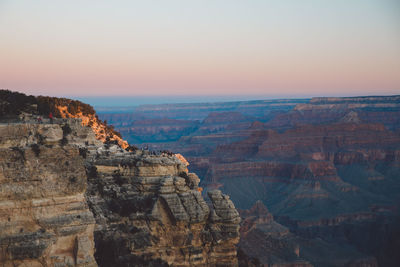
(101, 130)
(44, 217)
(16, 106)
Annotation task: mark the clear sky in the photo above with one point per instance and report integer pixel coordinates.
(200, 47)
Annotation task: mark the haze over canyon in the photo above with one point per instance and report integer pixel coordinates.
(316, 180)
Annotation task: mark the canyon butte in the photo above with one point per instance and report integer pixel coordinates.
(316, 181)
(74, 193)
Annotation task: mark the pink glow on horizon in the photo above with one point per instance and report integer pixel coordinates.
(339, 48)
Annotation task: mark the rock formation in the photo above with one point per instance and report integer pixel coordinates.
(148, 209)
(68, 199)
(270, 242)
(44, 217)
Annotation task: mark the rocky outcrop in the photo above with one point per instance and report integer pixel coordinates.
(102, 132)
(15, 107)
(268, 241)
(69, 197)
(148, 209)
(44, 217)
(144, 209)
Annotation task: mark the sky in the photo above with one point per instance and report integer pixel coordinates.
(207, 48)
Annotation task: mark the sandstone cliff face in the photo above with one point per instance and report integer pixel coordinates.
(15, 107)
(101, 130)
(140, 209)
(44, 217)
(148, 210)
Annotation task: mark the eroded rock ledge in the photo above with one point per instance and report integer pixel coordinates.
(148, 210)
(128, 209)
(44, 218)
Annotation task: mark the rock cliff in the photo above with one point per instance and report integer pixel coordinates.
(149, 209)
(68, 199)
(44, 217)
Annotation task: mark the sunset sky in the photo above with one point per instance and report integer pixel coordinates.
(277, 48)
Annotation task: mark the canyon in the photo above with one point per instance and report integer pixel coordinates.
(316, 180)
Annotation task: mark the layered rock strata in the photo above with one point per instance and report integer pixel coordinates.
(140, 209)
(149, 210)
(44, 217)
